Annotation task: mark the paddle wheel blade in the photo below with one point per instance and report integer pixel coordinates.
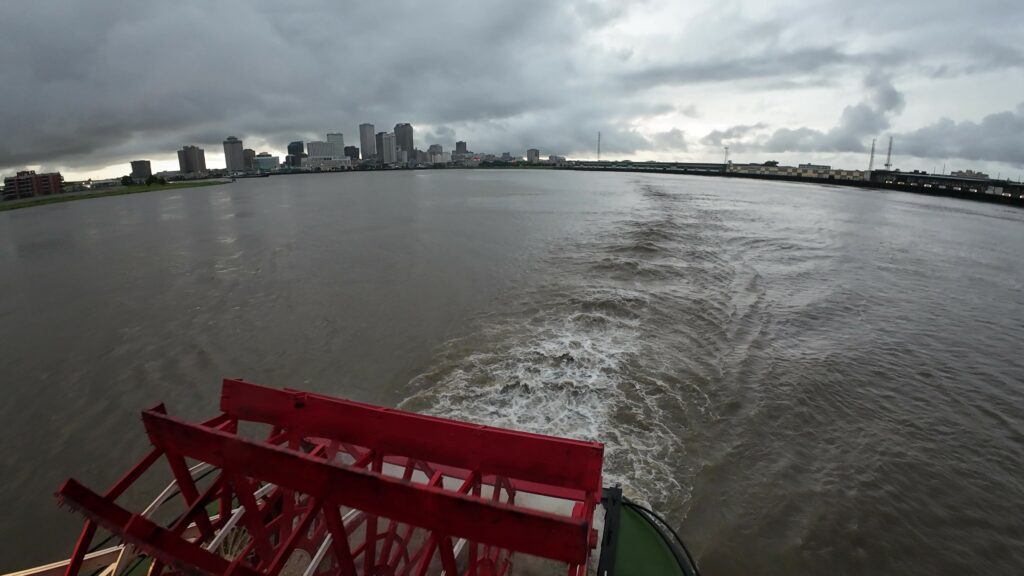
(341, 487)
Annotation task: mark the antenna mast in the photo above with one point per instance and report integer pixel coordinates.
(871, 162)
(888, 156)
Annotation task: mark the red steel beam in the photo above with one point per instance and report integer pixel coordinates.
(522, 455)
(432, 508)
(151, 538)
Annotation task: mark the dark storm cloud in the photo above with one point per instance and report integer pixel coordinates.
(93, 83)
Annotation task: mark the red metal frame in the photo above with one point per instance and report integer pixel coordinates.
(384, 468)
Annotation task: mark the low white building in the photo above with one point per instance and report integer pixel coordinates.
(324, 164)
(264, 162)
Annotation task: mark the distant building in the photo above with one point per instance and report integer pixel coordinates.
(191, 160)
(337, 138)
(264, 162)
(234, 161)
(141, 170)
(323, 164)
(319, 149)
(247, 155)
(352, 153)
(533, 155)
(435, 149)
(366, 140)
(403, 137)
(460, 147)
(552, 159)
(389, 150)
(296, 152)
(378, 140)
(968, 174)
(27, 183)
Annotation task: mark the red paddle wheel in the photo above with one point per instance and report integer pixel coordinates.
(340, 487)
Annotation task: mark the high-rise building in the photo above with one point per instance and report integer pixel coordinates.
(389, 148)
(296, 152)
(191, 160)
(319, 149)
(403, 137)
(27, 184)
(234, 160)
(141, 170)
(366, 140)
(435, 149)
(378, 143)
(337, 138)
(352, 153)
(533, 155)
(460, 147)
(247, 155)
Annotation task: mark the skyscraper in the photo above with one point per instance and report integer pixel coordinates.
(325, 150)
(191, 160)
(296, 151)
(435, 149)
(403, 137)
(378, 143)
(389, 151)
(141, 170)
(337, 141)
(460, 147)
(533, 155)
(366, 140)
(247, 155)
(233, 157)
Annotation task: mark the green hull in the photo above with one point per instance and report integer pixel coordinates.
(637, 542)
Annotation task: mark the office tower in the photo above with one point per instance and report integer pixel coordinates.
(533, 155)
(378, 143)
(296, 152)
(191, 160)
(141, 170)
(403, 137)
(389, 148)
(460, 147)
(247, 155)
(352, 153)
(367, 141)
(233, 157)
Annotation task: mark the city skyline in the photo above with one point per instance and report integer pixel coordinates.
(803, 82)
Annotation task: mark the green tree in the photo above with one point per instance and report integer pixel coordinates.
(126, 180)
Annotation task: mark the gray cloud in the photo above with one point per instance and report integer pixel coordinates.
(730, 135)
(997, 137)
(97, 83)
(858, 122)
(674, 139)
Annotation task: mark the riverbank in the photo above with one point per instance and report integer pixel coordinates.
(119, 191)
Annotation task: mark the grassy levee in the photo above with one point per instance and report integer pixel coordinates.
(119, 191)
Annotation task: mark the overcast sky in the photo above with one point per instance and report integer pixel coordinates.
(89, 85)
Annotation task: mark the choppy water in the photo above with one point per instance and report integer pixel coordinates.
(807, 380)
